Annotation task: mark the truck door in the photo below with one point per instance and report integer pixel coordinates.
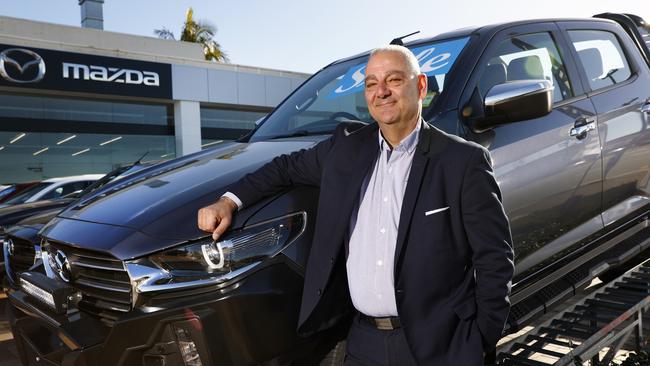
(617, 79)
(549, 170)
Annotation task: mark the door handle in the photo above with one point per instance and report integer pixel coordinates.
(581, 131)
(646, 108)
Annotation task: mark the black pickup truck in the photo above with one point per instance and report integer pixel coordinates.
(562, 104)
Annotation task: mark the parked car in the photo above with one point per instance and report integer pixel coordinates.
(19, 224)
(13, 190)
(563, 106)
(53, 188)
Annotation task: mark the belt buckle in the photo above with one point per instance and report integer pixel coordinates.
(383, 323)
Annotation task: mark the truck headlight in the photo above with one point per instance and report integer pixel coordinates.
(207, 262)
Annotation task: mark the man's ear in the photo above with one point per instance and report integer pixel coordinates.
(422, 85)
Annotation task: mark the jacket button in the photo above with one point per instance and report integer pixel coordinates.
(319, 291)
(331, 260)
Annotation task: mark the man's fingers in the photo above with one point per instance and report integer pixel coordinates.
(221, 228)
(206, 220)
(217, 217)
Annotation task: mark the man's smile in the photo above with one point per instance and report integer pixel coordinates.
(384, 104)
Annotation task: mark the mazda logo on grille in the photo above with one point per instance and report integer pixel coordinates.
(19, 65)
(60, 265)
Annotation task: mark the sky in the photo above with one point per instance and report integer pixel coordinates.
(306, 35)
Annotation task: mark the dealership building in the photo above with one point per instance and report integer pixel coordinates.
(78, 100)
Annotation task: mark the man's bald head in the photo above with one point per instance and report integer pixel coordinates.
(409, 58)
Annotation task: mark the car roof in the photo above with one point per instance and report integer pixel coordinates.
(490, 28)
(73, 178)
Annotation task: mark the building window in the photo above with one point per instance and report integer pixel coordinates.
(30, 156)
(44, 136)
(221, 124)
(85, 110)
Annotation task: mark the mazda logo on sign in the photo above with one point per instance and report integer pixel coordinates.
(60, 265)
(19, 65)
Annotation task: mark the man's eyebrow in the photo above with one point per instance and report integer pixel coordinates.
(392, 72)
(388, 73)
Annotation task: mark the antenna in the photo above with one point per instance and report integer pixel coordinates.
(398, 40)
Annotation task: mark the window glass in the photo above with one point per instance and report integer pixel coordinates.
(229, 118)
(65, 190)
(335, 94)
(524, 57)
(87, 110)
(221, 124)
(5, 192)
(601, 56)
(30, 156)
(25, 195)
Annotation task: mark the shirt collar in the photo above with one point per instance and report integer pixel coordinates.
(408, 144)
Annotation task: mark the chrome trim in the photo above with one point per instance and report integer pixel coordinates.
(11, 247)
(45, 257)
(502, 93)
(102, 286)
(5, 256)
(581, 130)
(96, 266)
(645, 108)
(98, 258)
(147, 283)
(37, 252)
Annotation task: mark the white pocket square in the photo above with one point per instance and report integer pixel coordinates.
(436, 211)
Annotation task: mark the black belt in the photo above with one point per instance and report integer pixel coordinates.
(385, 323)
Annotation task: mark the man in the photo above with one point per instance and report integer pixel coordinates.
(410, 229)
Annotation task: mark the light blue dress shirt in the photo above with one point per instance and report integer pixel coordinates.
(373, 228)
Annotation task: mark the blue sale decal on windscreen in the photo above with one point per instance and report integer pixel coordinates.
(434, 59)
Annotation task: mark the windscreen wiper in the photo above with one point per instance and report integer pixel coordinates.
(299, 133)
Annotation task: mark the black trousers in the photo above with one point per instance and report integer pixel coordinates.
(369, 346)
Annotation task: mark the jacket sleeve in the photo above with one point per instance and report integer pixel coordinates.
(488, 233)
(303, 167)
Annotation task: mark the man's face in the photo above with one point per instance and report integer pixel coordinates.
(393, 93)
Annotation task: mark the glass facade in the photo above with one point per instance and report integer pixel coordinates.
(43, 137)
(37, 156)
(85, 110)
(221, 124)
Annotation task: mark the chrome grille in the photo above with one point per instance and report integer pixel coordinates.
(102, 280)
(22, 258)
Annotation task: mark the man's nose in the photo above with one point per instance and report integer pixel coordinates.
(382, 89)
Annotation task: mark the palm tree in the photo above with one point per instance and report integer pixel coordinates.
(201, 32)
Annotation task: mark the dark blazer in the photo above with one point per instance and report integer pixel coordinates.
(453, 268)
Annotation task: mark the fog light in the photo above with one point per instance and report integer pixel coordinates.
(187, 347)
(38, 293)
(55, 294)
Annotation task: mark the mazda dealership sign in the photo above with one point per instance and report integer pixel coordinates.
(67, 71)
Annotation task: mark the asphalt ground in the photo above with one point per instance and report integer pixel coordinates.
(8, 354)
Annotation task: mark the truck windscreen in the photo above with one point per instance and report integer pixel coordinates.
(335, 94)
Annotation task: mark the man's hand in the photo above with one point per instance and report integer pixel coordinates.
(217, 217)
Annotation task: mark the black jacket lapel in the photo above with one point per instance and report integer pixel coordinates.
(413, 185)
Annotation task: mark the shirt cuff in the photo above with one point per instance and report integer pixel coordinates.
(234, 199)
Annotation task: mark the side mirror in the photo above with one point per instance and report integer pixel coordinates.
(513, 101)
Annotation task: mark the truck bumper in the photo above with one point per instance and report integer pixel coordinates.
(252, 322)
